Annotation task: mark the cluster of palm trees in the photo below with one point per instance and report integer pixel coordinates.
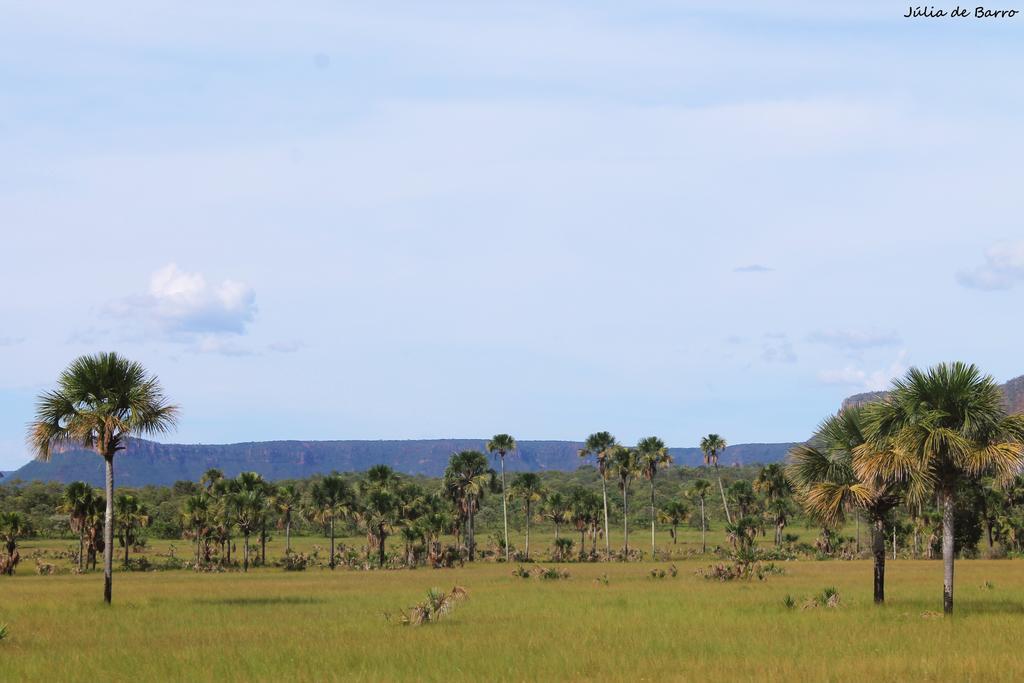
(935, 432)
(85, 508)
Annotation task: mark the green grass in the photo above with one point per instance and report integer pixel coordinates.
(322, 625)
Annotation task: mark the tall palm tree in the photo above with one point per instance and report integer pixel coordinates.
(100, 401)
(712, 445)
(332, 499)
(652, 455)
(827, 485)
(466, 480)
(699, 490)
(129, 516)
(937, 428)
(75, 502)
(625, 466)
(600, 445)
(287, 501)
(12, 527)
(674, 513)
(502, 444)
(528, 488)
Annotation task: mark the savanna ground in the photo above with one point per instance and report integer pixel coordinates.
(322, 625)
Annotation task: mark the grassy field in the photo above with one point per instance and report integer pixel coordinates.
(323, 625)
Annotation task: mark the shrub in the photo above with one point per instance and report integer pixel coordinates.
(521, 572)
(437, 605)
(296, 562)
(3, 631)
(551, 573)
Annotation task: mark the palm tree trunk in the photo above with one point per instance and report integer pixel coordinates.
(263, 544)
(504, 506)
(703, 528)
(607, 541)
(625, 523)
(654, 549)
(857, 517)
(382, 536)
(81, 545)
(878, 553)
(332, 542)
(721, 488)
(527, 529)
(126, 551)
(947, 502)
(288, 535)
(108, 534)
(245, 561)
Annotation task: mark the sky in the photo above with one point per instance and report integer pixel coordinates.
(365, 220)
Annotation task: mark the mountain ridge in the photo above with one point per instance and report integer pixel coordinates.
(148, 462)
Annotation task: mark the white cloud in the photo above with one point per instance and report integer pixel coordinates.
(854, 340)
(1003, 268)
(866, 380)
(184, 307)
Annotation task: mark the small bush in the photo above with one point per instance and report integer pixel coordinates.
(521, 572)
(789, 602)
(551, 573)
(602, 580)
(296, 562)
(3, 631)
(437, 605)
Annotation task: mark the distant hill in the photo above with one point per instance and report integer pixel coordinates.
(148, 462)
(1013, 393)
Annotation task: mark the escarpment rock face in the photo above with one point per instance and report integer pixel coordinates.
(1013, 394)
(147, 462)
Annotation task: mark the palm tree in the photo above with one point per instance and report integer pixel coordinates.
(674, 513)
(75, 502)
(95, 515)
(250, 511)
(711, 445)
(584, 514)
(528, 488)
(12, 527)
(503, 444)
(743, 493)
(253, 482)
(556, 510)
(100, 401)
(129, 515)
(195, 516)
(466, 480)
(625, 466)
(699, 490)
(771, 481)
(332, 499)
(378, 515)
(828, 486)
(937, 428)
(600, 445)
(287, 501)
(652, 455)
